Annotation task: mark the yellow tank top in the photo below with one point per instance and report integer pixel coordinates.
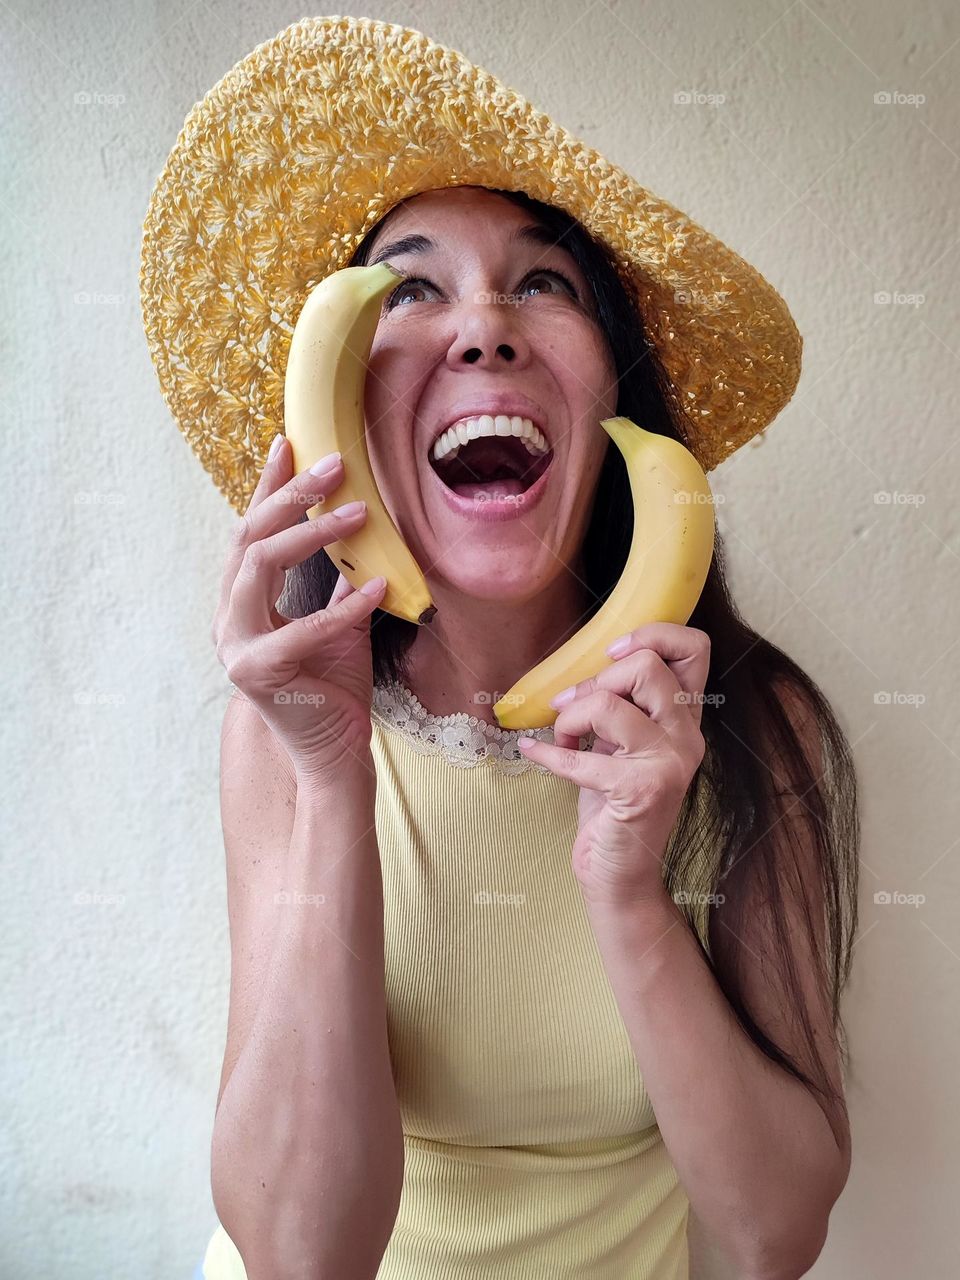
(531, 1147)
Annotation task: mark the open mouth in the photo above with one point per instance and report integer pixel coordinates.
(491, 461)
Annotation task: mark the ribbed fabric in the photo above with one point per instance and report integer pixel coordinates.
(532, 1150)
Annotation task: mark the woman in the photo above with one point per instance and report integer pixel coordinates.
(501, 1009)
(767, 1086)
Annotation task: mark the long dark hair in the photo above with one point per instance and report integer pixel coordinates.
(721, 851)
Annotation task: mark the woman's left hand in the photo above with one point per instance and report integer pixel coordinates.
(645, 710)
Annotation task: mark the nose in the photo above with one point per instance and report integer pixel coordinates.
(487, 339)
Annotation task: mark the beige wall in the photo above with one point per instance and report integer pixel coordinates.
(114, 541)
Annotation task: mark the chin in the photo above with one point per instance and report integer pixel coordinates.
(493, 577)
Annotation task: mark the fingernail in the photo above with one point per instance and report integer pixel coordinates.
(325, 464)
(349, 509)
(564, 696)
(619, 646)
(275, 447)
(525, 743)
(372, 587)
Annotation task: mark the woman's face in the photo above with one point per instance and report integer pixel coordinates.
(486, 329)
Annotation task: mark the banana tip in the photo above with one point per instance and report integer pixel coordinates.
(427, 615)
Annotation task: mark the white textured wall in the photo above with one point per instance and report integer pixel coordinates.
(117, 1011)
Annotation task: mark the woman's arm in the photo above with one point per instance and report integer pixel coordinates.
(307, 1150)
(753, 1149)
(762, 1161)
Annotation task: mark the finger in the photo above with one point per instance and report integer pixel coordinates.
(613, 718)
(685, 650)
(287, 503)
(279, 503)
(261, 574)
(276, 471)
(341, 590)
(583, 768)
(644, 680)
(281, 652)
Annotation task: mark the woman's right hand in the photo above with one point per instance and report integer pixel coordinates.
(311, 678)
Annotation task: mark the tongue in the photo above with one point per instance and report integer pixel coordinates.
(490, 488)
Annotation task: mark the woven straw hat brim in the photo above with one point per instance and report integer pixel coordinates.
(286, 163)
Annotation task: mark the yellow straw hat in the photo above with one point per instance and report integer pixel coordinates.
(285, 164)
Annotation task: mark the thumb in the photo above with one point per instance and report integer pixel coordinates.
(341, 590)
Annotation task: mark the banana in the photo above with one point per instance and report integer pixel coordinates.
(323, 413)
(668, 562)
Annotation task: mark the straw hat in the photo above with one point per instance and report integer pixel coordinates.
(285, 164)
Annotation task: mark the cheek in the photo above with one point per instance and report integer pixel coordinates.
(582, 360)
(377, 386)
(389, 395)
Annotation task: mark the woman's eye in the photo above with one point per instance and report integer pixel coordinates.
(418, 282)
(407, 284)
(555, 275)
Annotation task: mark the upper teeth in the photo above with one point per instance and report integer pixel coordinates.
(485, 425)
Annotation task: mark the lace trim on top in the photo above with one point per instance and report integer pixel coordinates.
(462, 739)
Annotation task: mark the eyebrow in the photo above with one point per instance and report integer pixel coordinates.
(422, 244)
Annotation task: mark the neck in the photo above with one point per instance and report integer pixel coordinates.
(475, 650)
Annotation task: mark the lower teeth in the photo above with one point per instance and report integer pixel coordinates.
(490, 488)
